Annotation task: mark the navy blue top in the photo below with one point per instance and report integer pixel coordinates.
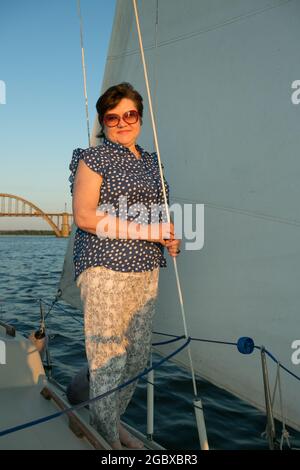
(139, 181)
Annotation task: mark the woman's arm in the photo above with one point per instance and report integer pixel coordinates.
(86, 194)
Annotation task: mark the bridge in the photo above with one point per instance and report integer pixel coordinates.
(16, 206)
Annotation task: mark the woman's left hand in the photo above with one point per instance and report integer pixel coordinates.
(173, 247)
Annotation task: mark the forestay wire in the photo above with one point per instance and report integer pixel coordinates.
(84, 73)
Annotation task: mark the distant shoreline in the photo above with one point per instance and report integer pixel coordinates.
(27, 232)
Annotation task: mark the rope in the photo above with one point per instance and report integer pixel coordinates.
(165, 334)
(168, 341)
(271, 356)
(175, 337)
(282, 367)
(285, 436)
(51, 306)
(163, 186)
(213, 341)
(84, 73)
(60, 307)
(155, 68)
(91, 400)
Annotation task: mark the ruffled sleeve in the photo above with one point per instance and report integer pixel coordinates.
(94, 158)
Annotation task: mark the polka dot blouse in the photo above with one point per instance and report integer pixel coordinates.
(125, 178)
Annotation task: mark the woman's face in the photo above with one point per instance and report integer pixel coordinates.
(124, 133)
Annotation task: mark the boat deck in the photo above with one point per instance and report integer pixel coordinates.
(24, 404)
(26, 394)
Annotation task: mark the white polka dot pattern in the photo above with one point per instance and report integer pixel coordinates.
(123, 176)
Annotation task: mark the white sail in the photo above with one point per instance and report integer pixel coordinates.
(221, 76)
(68, 290)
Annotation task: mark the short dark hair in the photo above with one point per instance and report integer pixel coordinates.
(112, 97)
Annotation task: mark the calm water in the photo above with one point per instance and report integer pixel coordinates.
(30, 270)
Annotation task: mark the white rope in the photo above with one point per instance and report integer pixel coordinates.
(155, 67)
(163, 186)
(285, 436)
(84, 74)
(197, 401)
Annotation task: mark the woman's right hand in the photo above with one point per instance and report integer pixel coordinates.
(158, 233)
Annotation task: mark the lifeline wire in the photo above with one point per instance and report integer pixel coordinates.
(179, 337)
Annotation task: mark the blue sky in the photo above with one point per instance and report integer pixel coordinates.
(43, 119)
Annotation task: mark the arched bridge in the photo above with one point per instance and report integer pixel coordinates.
(16, 206)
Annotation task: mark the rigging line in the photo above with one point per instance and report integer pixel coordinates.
(173, 340)
(163, 186)
(162, 343)
(258, 348)
(197, 33)
(51, 306)
(222, 24)
(84, 73)
(285, 436)
(165, 334)
(55, 303)
(245, 212)
(268, 353)
(60, 307)
(155, 67)
(179, 337)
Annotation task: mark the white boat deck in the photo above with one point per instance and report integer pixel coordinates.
(24, 404)
(22, 378)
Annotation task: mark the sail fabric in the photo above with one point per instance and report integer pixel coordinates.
(221, 76)
(68, 290)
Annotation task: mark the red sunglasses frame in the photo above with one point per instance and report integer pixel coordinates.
(133, 111)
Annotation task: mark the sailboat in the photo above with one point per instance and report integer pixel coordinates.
(222, 79)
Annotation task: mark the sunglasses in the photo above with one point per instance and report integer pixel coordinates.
(112, 120)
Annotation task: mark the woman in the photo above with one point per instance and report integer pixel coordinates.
(117, 265)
